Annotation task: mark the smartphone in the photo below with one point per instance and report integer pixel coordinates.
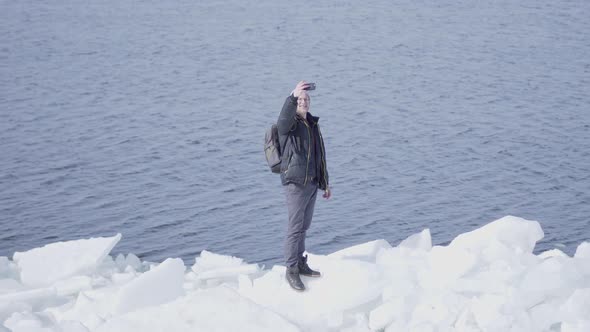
(311, 86)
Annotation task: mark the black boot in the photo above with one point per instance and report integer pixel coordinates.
(293, 278)
(305, 270)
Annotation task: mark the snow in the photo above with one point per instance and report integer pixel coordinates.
(487, 279)
(366, 251)
(55, 261)
(515, 233)
(420, 241)
(213, 266)
(583, 251)
(161, 284)
(215, 309)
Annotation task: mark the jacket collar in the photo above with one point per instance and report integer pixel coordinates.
(310, 118)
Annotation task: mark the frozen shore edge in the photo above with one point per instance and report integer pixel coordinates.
(487, 279)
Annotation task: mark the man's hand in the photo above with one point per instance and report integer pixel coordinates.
(327, 193)
(301, 86)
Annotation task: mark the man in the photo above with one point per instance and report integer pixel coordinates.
(303, 171)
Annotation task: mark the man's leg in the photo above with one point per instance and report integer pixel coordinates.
(311, 190)
(303, 268)
(297, 201)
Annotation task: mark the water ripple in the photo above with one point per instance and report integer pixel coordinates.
(446, 117)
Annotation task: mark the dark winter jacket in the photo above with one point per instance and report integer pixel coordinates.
(296, 137)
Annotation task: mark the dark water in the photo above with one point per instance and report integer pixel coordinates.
(147, 118)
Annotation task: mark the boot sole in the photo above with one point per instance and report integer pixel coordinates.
(293, 288)
(309, 275)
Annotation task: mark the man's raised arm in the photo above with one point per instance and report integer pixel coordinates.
(287, 116)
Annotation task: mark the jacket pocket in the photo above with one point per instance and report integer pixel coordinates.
(288, 161)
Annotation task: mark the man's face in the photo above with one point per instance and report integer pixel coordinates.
(303, 102)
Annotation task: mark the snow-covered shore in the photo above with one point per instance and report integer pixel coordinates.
(484, 280)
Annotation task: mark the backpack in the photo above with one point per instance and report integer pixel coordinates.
(272, 149)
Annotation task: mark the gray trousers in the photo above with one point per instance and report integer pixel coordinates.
(300, 203)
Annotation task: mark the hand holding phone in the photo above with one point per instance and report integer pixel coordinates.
(302, 86)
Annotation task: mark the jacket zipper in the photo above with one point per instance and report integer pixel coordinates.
(323, 157)
(308, 150)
